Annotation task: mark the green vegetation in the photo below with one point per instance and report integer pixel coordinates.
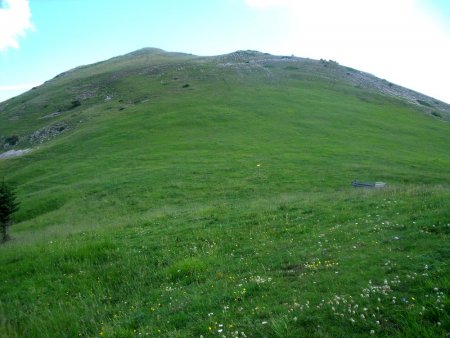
(434, 113)
(224, 208)
(8, 205)
(12, 140)
(424, 103)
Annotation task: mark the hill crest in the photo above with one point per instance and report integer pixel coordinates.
(91, 85)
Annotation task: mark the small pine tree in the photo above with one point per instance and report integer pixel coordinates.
(8, 205)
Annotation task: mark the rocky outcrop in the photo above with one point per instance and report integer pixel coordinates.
(14, 153)
(48, 133)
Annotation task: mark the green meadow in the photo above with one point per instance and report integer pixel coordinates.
(211, 197)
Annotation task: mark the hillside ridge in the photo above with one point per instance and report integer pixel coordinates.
(95, 84)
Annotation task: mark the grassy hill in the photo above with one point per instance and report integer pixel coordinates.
(167, 194)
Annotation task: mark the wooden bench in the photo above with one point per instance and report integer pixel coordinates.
(377, 185)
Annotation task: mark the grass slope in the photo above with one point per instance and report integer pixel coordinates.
(193, 196)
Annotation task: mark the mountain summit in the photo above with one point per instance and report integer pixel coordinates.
(92, 84)
(239, 195)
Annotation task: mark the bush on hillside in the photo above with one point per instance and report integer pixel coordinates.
(8, 205)
(75, 103)
(12, 140)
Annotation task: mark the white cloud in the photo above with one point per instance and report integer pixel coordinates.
(400, 40)
(15, 21)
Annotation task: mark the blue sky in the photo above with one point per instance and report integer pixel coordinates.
(404, 41)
